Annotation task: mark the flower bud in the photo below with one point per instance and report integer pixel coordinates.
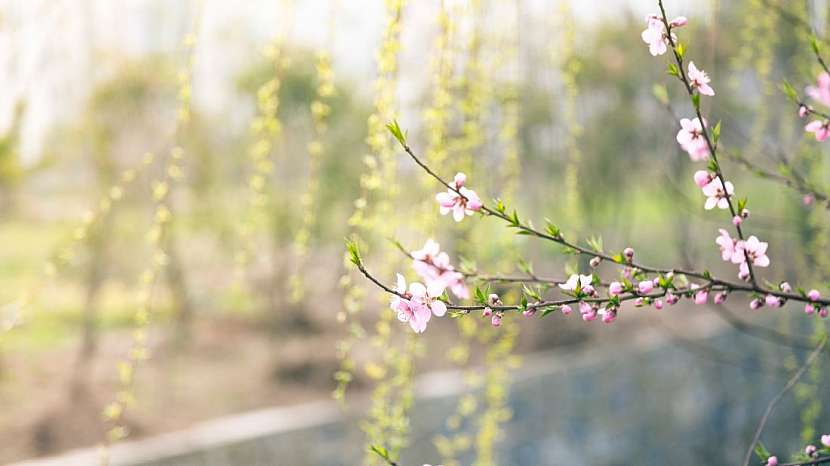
(494, 300)
(679, 22)
(803, 111)
(814, 295)
(615, 288)
(496, 320)
(529, 312)
(487, 312)
(785, 287)
(823, 313)
(702, 178)
(639, 302)
(737, 220)
(825, 440)
(658, 304)
(755, 304)
(701, 297)
(745, 213)
(772, 301)
(809, 309)
(645, 286)
(628, 253)
(810, 450)
(608, 315)
(672, 298)
(743, 275)
(772, 461)
(808, 199)
(720, 298)
(566, 310)
(459, 180)
(595, 261)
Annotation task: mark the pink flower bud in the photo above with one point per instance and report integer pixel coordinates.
(496, 320)
(720, 298)
(584, 308)
(679, 22)
(755, 304)
(701, 297)
(702, 178)
(658, 304)
(743, 275)
(785, 287)
(772, 461)
(589, 290)
(823, 313)
(645, 286)
(737, 220)
(825, 440)
(628, 253)
(487, 312)
(803, 111)
(529, 312)
(566, 310)
(474, 205)
(772, 301)
(628, 272)
(494, 300)
(608, 315)
(639, 302)
(672, 298)
(808, 199)
(595, 261)
(814, 295)
(615, 288)
(810, 450)
(459, 180)
(809, 309)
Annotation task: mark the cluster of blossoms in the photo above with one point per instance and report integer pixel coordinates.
(742, 252)
(419, 302)
(821, 93)
(461, 201)
(811, 452)
(656, 35)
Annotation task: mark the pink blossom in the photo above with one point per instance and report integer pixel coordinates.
(496, 320)
(628, 253)
(810, 450)
(690, 137)
(433, 265)
(754, 250)
(820, 128)
(408, 309)
(590, 316)
(756, 304)
(672, 298)
(655, 35)
(814, 295)
(808, 199)
(703, 177)
(737, 220)
(809, 309)
(717, 195)
(823, 313)
(728, 246)
(645, 286)
(821, 92)
(772, 461)
(464, 201)
(785, 287)
(487, 312)
(658, 304)
(615, 289)
(825, 440)
(577, 283)
(566, 310)
(803, 111)
(701, 297)
(595, 261)
(699, 80)
(680, 21)
(772, 301)
(609, 315)
(720, 298)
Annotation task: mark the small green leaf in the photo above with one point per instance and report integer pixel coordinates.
(354, 252)
(696, 101)
(552, 229)
(814, 45)
(761, 451)
(789, 91)
(549, 310)
(716, 134)
(680, 49)
(673, 70)
(380, 451)
(396, 131)
(480, 296)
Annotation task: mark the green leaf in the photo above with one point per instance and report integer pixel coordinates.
(673, 70)
(514, 219)
(396, 131)
(480, 296)
(380, 451)
(712, 166)
(500, 207)
(707, 275)
(680, 49)
(523, 304)
(814, 45)
(789, 91)
(716, 134)
(552, 229)
(525, 266)
(742, 204)
(696, 101)
(354, 252)
(549, 310)
(595, 242)
(761, 451)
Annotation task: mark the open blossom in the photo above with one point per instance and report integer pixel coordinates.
(728, 245)
(825, 440)
(772, 461)
(717, 195)
(578, 283)
(773, 301)
(408, 309)
(690, 137)
(752, 249)
(465, 203)
(821, 91)
(655, 34)
(699, 80)
(431, 264)
(645, 286)
(609, 314)
(820, 128)
(615, 289)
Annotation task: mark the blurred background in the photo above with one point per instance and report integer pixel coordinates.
(177, 179)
